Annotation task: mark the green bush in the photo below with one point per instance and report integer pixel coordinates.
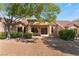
(67, 34)
(21, 34)
(2, 35)
(28, 35)
(16, 34)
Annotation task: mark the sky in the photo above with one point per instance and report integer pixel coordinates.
(69, 11)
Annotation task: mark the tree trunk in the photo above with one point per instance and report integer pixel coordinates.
(8, 32)
(8, 24)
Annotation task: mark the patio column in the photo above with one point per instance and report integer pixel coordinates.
(55, 31)
(49, 29)
(29, 28)
(39, 30)
(22, 28)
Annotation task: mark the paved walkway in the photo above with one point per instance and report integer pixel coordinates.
(14, 48)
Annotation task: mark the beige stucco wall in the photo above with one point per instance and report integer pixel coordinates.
(49, 30)
(2, 27)
(78, 31)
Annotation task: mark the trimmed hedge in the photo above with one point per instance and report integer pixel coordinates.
(2, 35)
(16, 34)
(67, 34)
(21, 34)
(28, 35)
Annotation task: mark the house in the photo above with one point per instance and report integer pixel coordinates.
(77, 25)
(65, 24)
(2, 25)
(38, 28)
(68, 25)
(30, 25)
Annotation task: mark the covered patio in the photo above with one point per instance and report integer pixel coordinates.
(42, 29)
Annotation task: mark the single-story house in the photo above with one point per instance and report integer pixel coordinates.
(38, 28)
(68, 25)
(77, 25)
(30, 25)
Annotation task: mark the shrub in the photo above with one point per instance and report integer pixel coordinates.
(67, 34)
(16, 34)
(21, 34)
(2, 35)
(28, 35)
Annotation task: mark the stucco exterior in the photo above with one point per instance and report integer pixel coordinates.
(38, 28)
(2, 29)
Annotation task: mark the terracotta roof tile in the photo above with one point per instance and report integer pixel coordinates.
(22, 21)
(76, 24)
(65, 23)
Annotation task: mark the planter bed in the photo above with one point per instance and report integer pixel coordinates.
(25, 40)
(30, 40)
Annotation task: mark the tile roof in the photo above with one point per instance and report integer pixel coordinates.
(65, 23)
(22, 21)
(76, 23)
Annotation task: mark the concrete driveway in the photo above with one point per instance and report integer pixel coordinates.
(14, 48)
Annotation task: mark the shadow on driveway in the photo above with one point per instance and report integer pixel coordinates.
(71, 47)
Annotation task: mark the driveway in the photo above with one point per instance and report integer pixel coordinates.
(69, 47)
(38, 48)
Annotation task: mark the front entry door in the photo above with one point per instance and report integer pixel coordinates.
(43, 30)
(35, 31)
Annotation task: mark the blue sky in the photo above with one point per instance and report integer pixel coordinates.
(69, 11)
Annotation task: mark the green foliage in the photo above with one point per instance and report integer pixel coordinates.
(50, 12)
(2, 35)
(2, 6)
(52, 7)
(16, 34)
(28, 35)
(52, 19)
(21, 34)
(66, 34)
(30, 9)
(24, 9)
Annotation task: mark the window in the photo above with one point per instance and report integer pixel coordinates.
(19, 29)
